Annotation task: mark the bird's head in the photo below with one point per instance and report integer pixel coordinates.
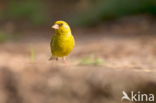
(61, 27)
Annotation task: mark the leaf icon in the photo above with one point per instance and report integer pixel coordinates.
(125, 96)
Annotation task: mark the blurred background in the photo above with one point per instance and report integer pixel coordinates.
(36, 13)
(115, 51)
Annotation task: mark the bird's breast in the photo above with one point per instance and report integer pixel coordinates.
(63, 45)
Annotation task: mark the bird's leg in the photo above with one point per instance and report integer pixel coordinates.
(64, 58)
(57, 59)
(65, 61)
(53, 58)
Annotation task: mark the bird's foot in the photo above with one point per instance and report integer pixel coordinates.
(53, 58)
(65, 61)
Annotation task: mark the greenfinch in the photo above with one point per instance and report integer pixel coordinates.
(62, 42)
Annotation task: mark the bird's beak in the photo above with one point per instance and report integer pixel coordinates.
(55, 26)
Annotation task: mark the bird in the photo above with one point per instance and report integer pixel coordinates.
(62, 42)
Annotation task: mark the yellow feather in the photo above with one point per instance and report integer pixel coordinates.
(62, 43)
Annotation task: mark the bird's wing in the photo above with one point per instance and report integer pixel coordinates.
(51, 45)
(52, 41)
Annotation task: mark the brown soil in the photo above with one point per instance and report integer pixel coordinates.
(26, 75)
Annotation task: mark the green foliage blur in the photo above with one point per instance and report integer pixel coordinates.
(101, 10)
(30, 10)
(82, 12)
(92, 60)
(4, 37)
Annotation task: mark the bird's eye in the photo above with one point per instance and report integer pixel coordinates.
(61, 24)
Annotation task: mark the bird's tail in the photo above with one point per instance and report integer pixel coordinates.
(51, 58)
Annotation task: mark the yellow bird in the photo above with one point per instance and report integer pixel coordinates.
(62, 43)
